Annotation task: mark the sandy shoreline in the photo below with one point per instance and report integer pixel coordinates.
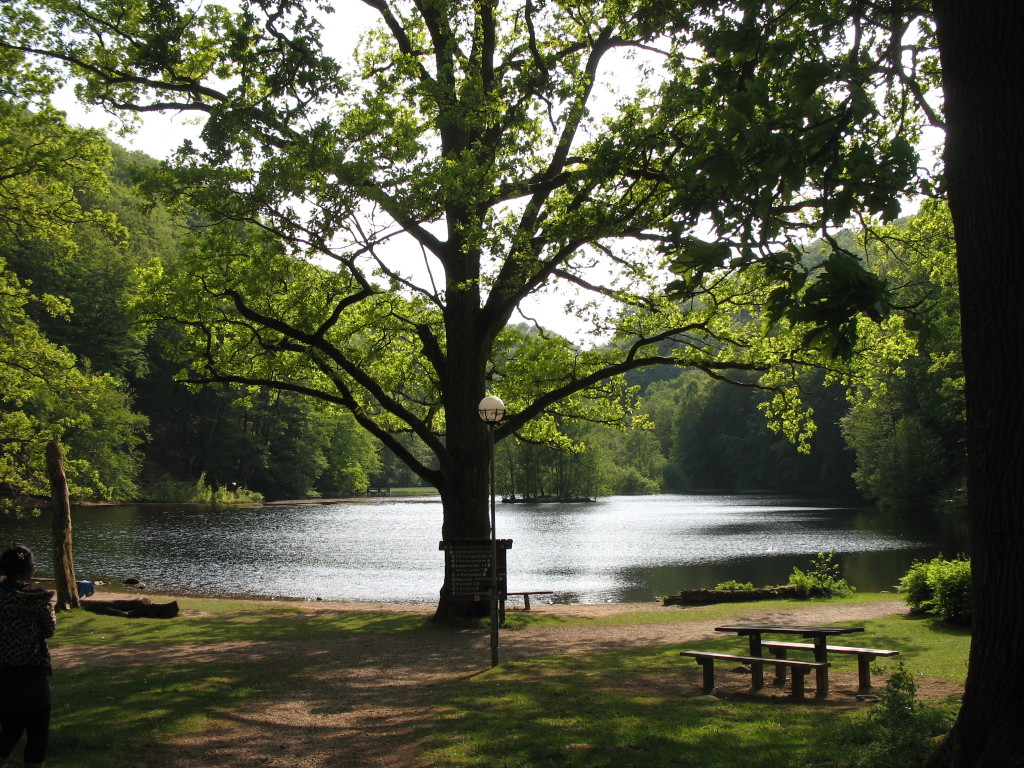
(593, 610)
(518, 643)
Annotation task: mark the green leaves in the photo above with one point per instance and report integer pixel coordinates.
(832, 302)
(54, 236)
(907, 421)
(694, 258)
(42, 164)
(44, 396)
(824, 298)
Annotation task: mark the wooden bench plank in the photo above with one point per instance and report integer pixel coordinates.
(831, 648)
(800, 668)
(864, 658)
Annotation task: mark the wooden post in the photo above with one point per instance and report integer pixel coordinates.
(63, 562)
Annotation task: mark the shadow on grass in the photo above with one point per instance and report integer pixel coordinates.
(339, 692)
(642, 708)
(345, 701)
(610, 713)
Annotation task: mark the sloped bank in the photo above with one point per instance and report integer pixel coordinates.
(711, 596)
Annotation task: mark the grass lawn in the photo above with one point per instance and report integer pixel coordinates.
(623, 708)
(215, 620)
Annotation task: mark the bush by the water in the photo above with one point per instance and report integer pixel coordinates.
(822, 579)
(940, 588)
(733, 584)
(199, 492)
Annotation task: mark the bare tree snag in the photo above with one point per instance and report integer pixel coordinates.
(63, 561)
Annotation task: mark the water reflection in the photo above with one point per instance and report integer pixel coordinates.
(618, 549)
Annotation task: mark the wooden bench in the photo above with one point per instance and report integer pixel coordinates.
(864, 658)
(800, 668)
(526, 596)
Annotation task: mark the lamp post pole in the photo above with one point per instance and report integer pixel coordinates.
(492, 410)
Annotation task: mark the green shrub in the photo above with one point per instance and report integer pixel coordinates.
(915, 586)
(822, 579)
(940, 588)
(952, 601)
(733, 584)
(898, 732)
(197, 492)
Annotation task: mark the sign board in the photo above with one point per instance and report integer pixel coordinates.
(468, 563)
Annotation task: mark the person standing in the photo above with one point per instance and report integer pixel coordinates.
(26, 621)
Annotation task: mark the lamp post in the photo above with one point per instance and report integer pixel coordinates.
(492, 410)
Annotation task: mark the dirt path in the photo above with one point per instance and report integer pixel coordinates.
(373, 695)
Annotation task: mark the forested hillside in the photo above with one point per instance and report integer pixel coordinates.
(81, 363)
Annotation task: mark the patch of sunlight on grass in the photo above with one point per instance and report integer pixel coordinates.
(683, 614)
(205, 621)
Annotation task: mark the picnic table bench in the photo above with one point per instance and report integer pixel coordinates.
(818, 635)
(819, 646)
(526, 596)
(864, 658)
(799, 668)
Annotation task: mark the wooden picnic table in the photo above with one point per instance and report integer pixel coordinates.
(818, 635)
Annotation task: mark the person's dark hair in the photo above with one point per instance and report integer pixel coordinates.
(17, 561)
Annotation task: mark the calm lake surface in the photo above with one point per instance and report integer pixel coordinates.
(619, 549)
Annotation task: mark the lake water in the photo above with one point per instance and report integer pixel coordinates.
(619, 549)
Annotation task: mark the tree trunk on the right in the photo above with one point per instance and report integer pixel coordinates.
(982, 50)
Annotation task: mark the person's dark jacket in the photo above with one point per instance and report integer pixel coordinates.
(26, 621)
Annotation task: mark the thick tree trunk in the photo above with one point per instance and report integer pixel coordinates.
(465, 467)
(63, 561)
(464, 503)
(983, 78)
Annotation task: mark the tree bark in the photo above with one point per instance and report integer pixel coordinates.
(465, 464)
(983, 79)
(63, 561)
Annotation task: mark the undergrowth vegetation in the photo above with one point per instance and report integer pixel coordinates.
(199, 491)
(940, 588)
(899, 731)
(821, 579)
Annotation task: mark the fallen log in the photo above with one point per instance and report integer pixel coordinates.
(136, 608)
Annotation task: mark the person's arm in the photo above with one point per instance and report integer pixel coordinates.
(47, 619)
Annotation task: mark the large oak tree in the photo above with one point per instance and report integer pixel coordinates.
(367, 227)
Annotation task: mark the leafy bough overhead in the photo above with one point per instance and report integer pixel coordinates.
(369, 226)
(264, 318)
